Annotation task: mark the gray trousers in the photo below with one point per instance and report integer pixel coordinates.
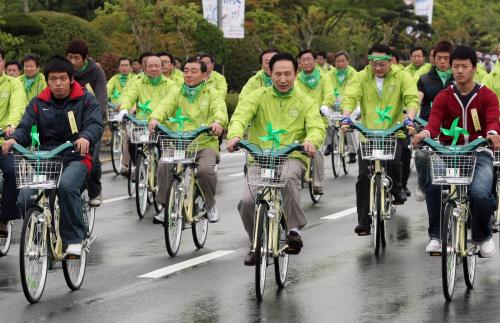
(207, 160)
(319, 169)
(350, 137)
(291, 200)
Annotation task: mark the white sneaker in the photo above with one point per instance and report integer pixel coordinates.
(213, 215)
(487, 249)
(74, 249)
(159, 218)
(433, 246)
(419, 195)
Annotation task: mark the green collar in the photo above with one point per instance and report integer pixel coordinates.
(191, 93)
(266, 79)
(28, 83)
(154, 80)
(341, 75)
(281, 94)
(123, 78)
(310, 80)
(444, 76)
(84, 67)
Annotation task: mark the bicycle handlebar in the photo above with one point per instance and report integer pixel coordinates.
(378, 133)
(256, 150)
(43, 155)
(455, 150)
(187, 135)
(135, 120)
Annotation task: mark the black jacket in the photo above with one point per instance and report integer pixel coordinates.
(53, 122)
(430, 85)
(95, 77)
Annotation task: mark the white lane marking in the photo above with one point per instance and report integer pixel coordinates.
(162, 272)
(115, 199)
(237, 174)
(339, 215)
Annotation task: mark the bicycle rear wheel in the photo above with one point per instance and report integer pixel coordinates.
(33, 255)
(314, 197)
(153, 170)
(342, 152)
(131, 180)
(448, 252)
(335, 156)
(469, 261)
(5, 241)
(74, 270)
(281, 262)
(173, 218)
(378, 229)
(88, 213)
(141, 186)
(261, 250)
(116, 150)
(199, 227)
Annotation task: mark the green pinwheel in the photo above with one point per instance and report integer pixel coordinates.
(145, 107)
(179, 119)
(455, 131)
(383, 114)
(35, 136)
(273, 135)
(116, 94)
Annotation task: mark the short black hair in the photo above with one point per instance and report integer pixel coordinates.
(322, 54)
(417, 48)
(203, 66)
(78, 47)
(136, 60)
(464, 52)
(283, 57)
(267, 51)
(443, 46)
(145, 54)
(397, 55)
(212, 58)
(341, 53)
(380, 49)
(14, 62)
(2, 53)
(123, 58)
(172, 60)
(32, 57)
(58, 64)
(306, 51)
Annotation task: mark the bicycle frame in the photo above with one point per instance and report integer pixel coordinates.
(187, 200)
(458, 196)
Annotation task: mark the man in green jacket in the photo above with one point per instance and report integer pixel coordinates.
(33, 81)
(203, 105)
(214, 79)
(493, 81)
(13, 102)
(312, 81)
(117, 83)
(280, 106)
(169, 69)
(262, 78)
(417, 58)
(380, 87)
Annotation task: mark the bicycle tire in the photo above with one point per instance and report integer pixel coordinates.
(199, 227)
(6, 241)
(141, 186)
(74, 270)
(469, 261)
(116, 150)
(335, 155)
(173, 218)
(377, 223)
(314, 197)
(448, 260)
(130, 182)
(88, 213)
(33, 287)
(261, 250)
(345, 165)
(281, 262)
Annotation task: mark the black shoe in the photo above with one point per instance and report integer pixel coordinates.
(249, 259)
(407, 191)
(352, 158)
(294, 242)
(399, 197)
(328, 150)
(363, 230)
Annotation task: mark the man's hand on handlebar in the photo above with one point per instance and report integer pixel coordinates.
(419, 138)
(410, 126)
(346, 122)
(216, 128)
(231, 144)
(152, 125)
(7, 146)
(495, 141)
(82, 146)
(309, 148)
(8, 131)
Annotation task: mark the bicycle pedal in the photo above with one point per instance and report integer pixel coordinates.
(72, 257)
(291, 251)
(435, 254)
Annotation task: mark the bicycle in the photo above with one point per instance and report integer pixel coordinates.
(5, 242)
(453, 166)
(308, 178)
(338, 142)
(268, 170)
(40, 238)
(146, 164)
(117, 137)
(185, 199)
(496, 164)
(379, 146)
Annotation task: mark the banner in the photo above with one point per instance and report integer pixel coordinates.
(233, 16)
(424, 8)
(210, 11)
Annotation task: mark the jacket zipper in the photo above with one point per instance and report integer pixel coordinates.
(464, 112)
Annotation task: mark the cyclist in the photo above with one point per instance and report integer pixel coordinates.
(64, 111)
(32, 79)
(11, 111)
(288, 108)
(418, 64)
(169, 69)
(479, 106)
(136, 66)
(493, 81)
(117, 83)
(214, 79)
(13, 68)
(318, 86)
(261, 78)
(322, 63)
(204, 106)
(379, 87)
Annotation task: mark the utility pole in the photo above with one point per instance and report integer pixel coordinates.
(219, 14)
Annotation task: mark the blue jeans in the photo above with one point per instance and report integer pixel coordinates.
(482, 201)
(9, 210)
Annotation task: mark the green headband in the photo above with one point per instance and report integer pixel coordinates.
(379, 58)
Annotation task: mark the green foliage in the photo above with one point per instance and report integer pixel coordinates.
(231, 103)
(209, 39)
(19, 24)
(241, 64)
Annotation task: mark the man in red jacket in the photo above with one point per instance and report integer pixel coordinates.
(477, 109)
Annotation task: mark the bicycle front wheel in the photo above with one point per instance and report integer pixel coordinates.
(5, 241)
(469, 261)
(378, 229)
(141, 186)
(131, 180)
(116, 151)
(33, 255)
(173, 218)
(448, 252)
(261, 250)
(314, 197)
(336, 160)
(343, 152)
(74, 270)
(281, 262)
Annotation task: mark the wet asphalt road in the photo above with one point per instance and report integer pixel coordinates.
(336, 278)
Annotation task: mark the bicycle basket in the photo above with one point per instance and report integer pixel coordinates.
(113, 115)
(139, 133)
(449, 169)
(496, 160)
(178, 150)
(336, 113)
(37, 174)
(378, 146)
(267, 170)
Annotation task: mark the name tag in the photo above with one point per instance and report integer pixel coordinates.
(475, 120)
(72, 122)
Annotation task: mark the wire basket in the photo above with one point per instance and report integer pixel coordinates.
(448, 169)
(178, 150)
(139, 133)
(113, 115)
(496, 159)
(267, 170)
(37, 174)
(336, 113)
(378, 147)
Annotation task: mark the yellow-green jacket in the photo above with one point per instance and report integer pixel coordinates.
(337, 88)
(322, 94)
(253, 83)
(295, 112)
(176, 76)
(481, 74)
(493, 81)
(412, 69)
(207, 108)
(218, 82)
(38, 86)
(399, 92)
(13, 101)
(141, 91)
(115, 88)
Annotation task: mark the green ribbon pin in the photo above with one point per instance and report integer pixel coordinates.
(179, 119)
(35, 136)
(273, 135)
(455, 131)
(116, 94)
(383, 114)
(145, 108)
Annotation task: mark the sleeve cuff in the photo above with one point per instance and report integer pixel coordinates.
(492, 132)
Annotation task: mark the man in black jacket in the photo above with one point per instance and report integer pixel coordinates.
(92, 77)
(65, 111)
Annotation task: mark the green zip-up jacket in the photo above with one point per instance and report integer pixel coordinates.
(13, 101)
(424, 69)
(115, 88)
(218, 82)
(399, 91)
(493, 82)
(207, 108)
(322, 94)
(481, 74)
(38, 85)
(295, 112)
(141, 91)
(176, 76)
(337, 88)
(253, 83)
